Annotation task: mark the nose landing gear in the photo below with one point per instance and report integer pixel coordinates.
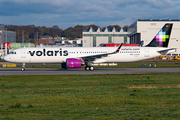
(23, 67)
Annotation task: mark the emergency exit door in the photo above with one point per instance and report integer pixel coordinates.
(23, 53)
(146, 50)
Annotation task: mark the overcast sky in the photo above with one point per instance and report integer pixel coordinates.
(69, 13)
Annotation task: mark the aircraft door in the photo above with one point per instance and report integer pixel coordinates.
(146, 51)
(23, 53)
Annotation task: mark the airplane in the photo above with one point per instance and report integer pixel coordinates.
(75, 57)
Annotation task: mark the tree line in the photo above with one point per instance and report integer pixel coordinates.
(31, 32)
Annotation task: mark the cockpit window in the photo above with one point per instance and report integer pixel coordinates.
(12, 52)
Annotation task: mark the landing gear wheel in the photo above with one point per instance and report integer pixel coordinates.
(91, 68)
(23, 69)
(87, 68)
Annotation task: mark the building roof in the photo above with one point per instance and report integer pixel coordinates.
(154, 20)
(105, 30)
(158, 19)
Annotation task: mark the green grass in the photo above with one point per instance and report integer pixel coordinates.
(2, 60)
(146, 96)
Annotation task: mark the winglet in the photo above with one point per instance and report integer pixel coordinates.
(118, 48)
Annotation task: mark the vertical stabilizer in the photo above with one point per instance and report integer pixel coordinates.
(162, 38)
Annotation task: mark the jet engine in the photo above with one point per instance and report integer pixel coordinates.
(71, 63)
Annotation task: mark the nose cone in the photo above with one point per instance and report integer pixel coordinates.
(6, 58)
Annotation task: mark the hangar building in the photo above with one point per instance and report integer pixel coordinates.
(93, 38)
(143, 31)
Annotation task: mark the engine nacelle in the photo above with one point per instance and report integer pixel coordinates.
(71, 63)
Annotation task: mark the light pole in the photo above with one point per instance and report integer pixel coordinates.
(37, 37)
(6, 35)
(23, 36)
(6, 43)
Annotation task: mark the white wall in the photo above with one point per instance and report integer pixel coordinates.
(118, 39)
(87, 41)
(100, 40)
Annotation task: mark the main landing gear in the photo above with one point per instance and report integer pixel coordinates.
(23, 67)
(91, 68)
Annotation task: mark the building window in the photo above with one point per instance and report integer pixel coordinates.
(94, 41)
(109, 39)
(125, 40)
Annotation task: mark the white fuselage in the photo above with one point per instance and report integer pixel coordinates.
(60, 54)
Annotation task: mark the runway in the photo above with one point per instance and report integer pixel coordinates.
(54, 71)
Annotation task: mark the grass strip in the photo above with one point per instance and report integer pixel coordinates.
(144, 96)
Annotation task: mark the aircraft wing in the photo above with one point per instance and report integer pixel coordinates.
(93, 57)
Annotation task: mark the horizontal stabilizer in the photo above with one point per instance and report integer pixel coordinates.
(163, 52)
